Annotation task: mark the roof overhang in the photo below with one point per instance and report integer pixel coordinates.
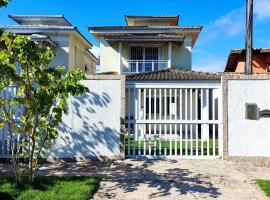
(144, 38)
(192, 31)
(172, 20)
(52, 19)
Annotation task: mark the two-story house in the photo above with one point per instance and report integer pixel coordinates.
(146, 43)
(72, 49)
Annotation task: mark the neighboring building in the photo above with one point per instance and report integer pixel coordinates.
(260, 61)
(70, 46)
(146, 43)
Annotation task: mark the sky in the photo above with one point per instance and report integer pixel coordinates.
(223, 21)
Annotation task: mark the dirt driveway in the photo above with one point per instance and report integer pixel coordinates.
(160, 179)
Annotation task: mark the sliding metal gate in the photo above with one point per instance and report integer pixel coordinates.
(173, 121)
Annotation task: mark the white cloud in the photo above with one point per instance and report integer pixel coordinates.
(96, 51)
(231, 24)
(262, 9)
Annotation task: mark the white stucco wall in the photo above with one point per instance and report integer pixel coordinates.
(61, 51)
(91, 128)
(109, 57)
(78, 56)
(182, 55)
(248, 137)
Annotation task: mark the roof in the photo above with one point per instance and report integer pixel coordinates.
(20, 18)
(174, 19)
(235, 54)
(151, 16)
(173, 74)
(30, 28)
(257, 50)
(141, 37)
(183, 28)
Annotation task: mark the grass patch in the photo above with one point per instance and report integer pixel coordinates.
(52, 187)
(265, 186)
(177, 147)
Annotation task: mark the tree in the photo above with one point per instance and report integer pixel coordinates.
(43, 93)
(4, 3)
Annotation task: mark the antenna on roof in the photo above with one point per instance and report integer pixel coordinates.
(249, 32)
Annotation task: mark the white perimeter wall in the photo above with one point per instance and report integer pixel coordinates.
(91, 128)
(248, 137)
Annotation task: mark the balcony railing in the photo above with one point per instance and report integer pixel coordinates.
(137, 66)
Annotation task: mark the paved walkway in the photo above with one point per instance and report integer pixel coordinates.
(183, 179)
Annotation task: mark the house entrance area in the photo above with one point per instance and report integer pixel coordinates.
(173, 120)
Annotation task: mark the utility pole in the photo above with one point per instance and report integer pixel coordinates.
(249, 32)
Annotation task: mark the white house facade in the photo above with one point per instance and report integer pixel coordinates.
(146, 43)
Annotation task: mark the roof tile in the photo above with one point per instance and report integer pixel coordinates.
(172, 74)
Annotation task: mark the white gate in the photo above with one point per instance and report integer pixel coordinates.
(174, 120)
(5, 135)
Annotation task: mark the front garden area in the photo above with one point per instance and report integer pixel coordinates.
(265, 186)
(51, 187)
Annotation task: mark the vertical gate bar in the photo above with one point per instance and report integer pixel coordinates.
(186, 140)
(186, 118)
(160, 139)
(149, 102)
(155, 144)
(144, 117)
(170, 139)
(196, 118)
(181, 139)
(155, 104)
(175, 139)
(186, 105)
(219, 118)
(202, 146)
(214, 140)
(135, 108)
(165, 140)
(144, 104)
(175, 104)
(170, 102)
(160, 98)
(191, 126)
(144, 138)
(214, 126)
(180, 105)
(207, 106)
(140, 115)
(191, 104)
(149, 139)
(180, 118)
(165, 104)
(128, 93)
(155, 118)
(191, 139)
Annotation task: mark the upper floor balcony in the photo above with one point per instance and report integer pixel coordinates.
(139, 66)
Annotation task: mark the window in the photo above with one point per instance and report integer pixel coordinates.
(144, 57)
